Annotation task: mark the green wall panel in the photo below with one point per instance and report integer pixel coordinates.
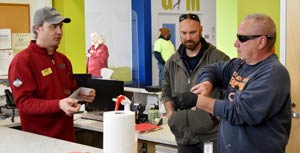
(73, 42)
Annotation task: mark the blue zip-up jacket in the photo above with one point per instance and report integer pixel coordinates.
(256, 112)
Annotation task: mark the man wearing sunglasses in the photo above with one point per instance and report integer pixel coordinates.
(191, 127)
(255, 116)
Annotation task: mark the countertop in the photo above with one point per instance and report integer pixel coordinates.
(8, 123)
(17, 141)
(140, 90)
(12, 137)
(163, 136)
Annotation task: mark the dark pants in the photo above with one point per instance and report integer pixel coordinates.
(196, 148)
(160, 73)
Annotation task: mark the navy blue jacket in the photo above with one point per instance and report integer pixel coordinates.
(256, 112)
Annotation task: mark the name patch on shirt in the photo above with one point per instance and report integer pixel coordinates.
(46, 71)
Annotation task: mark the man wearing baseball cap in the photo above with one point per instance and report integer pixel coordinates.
(42, 80)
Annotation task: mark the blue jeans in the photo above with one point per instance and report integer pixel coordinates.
(161, 73)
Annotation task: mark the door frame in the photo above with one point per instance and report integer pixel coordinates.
(282, 31)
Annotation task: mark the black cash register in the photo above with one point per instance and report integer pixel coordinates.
(106, 90)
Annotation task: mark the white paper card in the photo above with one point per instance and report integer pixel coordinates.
(81, 90)
(21, 41)
(208, 147)
(5, 58)
(5, 39)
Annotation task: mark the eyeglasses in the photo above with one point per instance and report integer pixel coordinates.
(189, 16)
(244, 38)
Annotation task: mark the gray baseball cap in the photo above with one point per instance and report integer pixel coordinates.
(50, 15)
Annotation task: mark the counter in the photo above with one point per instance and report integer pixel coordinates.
(7, 122)
(140, 90)
(11, 137)
(163, 136)
(16, 141)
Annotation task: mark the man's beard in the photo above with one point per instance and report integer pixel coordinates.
(191, 45)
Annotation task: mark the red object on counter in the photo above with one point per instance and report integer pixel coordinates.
(146, 127)
(118, 102)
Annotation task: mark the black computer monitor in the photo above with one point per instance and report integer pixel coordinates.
(106, 90)
(82, 78)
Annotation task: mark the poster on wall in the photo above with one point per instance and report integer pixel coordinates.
(5, 39)
(5, 58)
(21, 41)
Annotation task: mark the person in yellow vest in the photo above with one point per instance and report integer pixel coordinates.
(163, 49)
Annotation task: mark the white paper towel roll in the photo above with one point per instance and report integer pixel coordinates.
(119, 132)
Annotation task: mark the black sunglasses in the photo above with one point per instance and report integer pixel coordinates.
(189, 16)
(244, 38)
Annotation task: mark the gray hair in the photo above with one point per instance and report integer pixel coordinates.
(33, 30)
(264, 25)
(99, 38)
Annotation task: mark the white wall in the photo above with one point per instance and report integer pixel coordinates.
(112, 19)
(160, 15)
(34, 5)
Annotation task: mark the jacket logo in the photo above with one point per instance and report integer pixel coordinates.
(17, 83)
(236, 82)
